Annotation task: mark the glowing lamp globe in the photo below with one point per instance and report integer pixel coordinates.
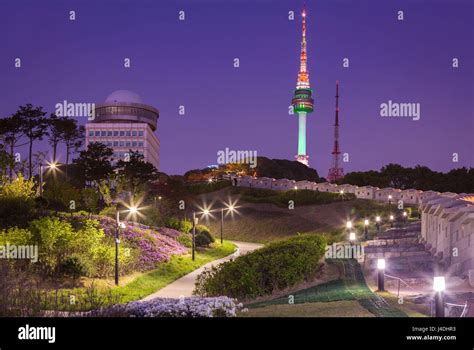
(439, 284)
(381, 264)
(352, 236)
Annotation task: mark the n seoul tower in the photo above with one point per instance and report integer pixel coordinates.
(302, 102)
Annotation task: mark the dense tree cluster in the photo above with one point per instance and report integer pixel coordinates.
(29, 124)
(460, 180)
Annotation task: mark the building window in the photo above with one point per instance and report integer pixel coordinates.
(91, 133)
(115, 133)
(134, 133)
(103, 133)
(127, 144)
(140, 144)
(140, 133)
(134, 144)
(109, 143)
(122, 133)
(97, 133)
(121, 143)
(115, 143)
(109, 133)
(128, 133)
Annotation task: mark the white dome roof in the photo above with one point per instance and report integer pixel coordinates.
(124, 96)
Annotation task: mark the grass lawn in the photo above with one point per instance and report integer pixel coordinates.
(139, 285)
(177, 267)
(408, 307)
(267, 222)
(343, 308)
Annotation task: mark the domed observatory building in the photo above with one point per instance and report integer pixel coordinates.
(123, 122)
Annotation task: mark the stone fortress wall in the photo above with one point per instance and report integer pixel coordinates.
(447, 219)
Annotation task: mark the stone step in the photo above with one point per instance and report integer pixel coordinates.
(399, 254)
(393, 241)
(424, 264)
(394, 248)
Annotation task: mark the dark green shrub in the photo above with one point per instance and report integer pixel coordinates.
(277, 266)
(16, 212)
(203, 239)
(74, 266)
(203, 236)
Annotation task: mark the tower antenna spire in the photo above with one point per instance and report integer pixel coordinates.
(336, 172)
(302, 101)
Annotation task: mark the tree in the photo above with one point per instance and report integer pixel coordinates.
(6, 161)
(11, 133)
(34, 126)
(93, 164)
(72, 136)
(57, 127)
(136, 173)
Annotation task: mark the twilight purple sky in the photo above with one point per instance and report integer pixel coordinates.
(190, 63)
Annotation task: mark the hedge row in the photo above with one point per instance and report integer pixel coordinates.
(276, 266)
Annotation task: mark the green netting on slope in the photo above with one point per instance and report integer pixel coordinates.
(351, 286)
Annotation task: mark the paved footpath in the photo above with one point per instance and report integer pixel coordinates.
(184, 286)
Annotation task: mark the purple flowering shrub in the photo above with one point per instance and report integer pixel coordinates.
(154, 247)
(167, 307)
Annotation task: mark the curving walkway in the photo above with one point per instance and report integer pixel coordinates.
(184, 286)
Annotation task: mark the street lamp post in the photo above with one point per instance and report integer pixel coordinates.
(389, 199)
(230, 208)
(366, 228)
(439, 285)
(119, 225)
(117, 242)
(352, 237)
(377, 223)
(405, 215)
(41, 178)
(194, 235)
(222, 224)
(349, 225)
(381, 275)
(391, 220)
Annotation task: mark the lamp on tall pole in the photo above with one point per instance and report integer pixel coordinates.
(194, 235)
(230, 208)
(349, 225)
(366, 228)
(41, 178)
(132, 210)
(377, 223)
(352, 237)
(391, 220)
(52, 166)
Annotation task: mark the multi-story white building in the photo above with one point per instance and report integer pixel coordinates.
(124, 123)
